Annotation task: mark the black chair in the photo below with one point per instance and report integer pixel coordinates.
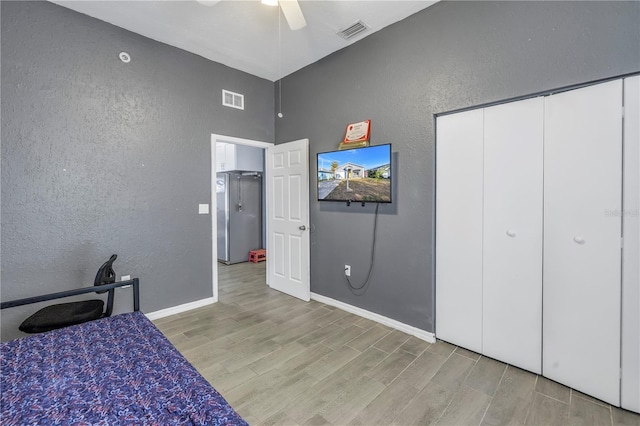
(66, 314)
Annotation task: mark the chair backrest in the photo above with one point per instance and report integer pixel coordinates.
(106, 274)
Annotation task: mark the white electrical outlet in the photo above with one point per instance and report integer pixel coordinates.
(347, 270)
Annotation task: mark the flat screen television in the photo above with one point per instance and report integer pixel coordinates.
(355, 175)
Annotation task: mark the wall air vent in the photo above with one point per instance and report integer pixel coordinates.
(233, 100)
(353, 30)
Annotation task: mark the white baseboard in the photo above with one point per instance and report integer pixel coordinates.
(406, 328)
(180, 308)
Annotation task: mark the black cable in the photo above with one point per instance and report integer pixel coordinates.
(373, 254)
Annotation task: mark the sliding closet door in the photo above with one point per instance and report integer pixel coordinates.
(512, 263)
(459, 229)
(582, 256)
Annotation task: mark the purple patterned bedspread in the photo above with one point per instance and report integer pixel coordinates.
(118, 370)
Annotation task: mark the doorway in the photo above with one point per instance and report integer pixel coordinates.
(215, 162)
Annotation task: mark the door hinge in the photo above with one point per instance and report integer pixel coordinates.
(621, 242)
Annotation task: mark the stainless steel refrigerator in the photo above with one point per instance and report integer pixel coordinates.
(239, 197)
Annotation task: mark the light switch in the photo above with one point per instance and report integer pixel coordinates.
(203, 208)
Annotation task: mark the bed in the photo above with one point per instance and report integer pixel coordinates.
(115, 370)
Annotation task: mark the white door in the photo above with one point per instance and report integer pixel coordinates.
(459, 229)
(582, 256)
(288, 218)
(512, 261)
(630, 395)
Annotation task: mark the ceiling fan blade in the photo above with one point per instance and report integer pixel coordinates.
(293, 14)
(208, 2)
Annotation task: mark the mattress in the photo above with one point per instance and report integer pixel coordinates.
(116, 370)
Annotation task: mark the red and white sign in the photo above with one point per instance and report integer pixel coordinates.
(358, 132)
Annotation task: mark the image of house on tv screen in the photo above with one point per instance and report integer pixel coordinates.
(361, 174)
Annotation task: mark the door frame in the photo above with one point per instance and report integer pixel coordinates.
(214, 203)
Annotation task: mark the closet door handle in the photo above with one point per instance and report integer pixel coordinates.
(579, 240)
(511, 233)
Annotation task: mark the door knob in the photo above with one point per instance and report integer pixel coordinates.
(302, 227)
(511, 233)
(579, 240)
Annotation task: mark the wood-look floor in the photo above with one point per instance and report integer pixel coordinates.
(280, 361)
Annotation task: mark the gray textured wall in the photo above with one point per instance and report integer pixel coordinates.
(102, 157)
(450, 56)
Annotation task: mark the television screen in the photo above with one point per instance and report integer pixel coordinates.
(358, 174)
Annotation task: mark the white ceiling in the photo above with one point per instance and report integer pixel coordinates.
(243, 34)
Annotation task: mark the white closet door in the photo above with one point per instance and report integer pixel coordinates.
(630, 398)
(459, 229)
(582, 182)
(512, 263)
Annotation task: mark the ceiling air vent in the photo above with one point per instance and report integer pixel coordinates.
(233, 100)
(353, 30)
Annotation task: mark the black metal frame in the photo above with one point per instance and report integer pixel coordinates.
(59, 295)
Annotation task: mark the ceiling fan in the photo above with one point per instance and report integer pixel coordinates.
(290, 9)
